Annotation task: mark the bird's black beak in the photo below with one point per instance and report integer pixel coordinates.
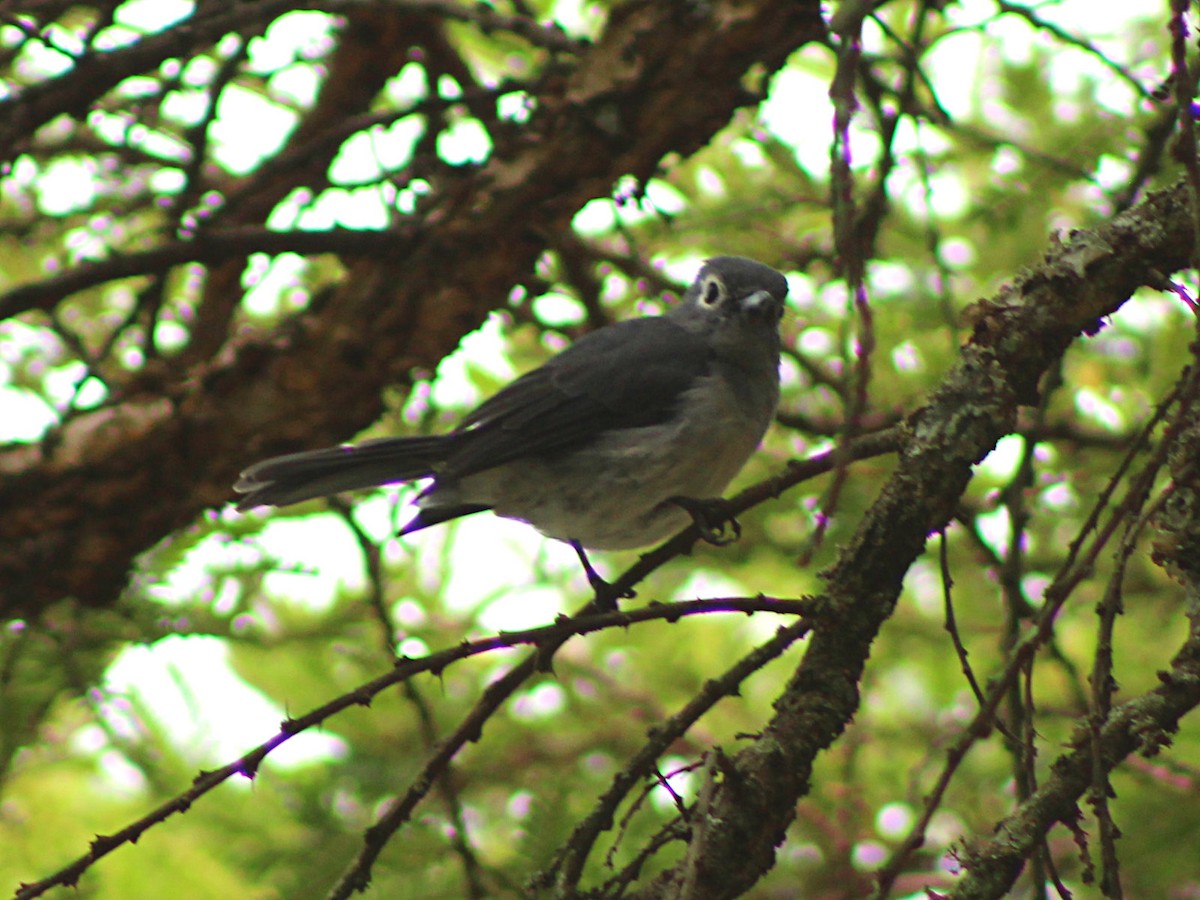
(762, 303)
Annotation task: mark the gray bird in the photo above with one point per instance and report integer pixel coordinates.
(613, 444)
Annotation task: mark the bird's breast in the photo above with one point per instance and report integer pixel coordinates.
(613, 493)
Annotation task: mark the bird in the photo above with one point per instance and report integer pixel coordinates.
(613, 444)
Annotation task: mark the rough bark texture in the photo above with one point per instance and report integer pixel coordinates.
(663, 77)
(1017, 336)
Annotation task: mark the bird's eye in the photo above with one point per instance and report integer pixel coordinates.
(711, 292)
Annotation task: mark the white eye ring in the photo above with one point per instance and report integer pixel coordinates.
(712, 291)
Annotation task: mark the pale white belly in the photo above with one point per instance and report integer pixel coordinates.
(614, 495)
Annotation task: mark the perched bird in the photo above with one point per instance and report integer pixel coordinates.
(613, 444)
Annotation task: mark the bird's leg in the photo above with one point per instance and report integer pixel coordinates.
(710, 516)
(606, 596)
(593, 576)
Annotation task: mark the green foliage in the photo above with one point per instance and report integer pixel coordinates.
(1049, 138)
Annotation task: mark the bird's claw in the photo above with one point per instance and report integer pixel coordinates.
(711, 517)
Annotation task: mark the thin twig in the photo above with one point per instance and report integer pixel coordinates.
(248, 764)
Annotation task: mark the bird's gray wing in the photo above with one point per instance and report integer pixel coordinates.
(627, 375)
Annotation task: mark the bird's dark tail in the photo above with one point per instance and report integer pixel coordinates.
(283, 480)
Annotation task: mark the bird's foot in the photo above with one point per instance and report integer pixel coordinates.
(606, 594)
(711, 516)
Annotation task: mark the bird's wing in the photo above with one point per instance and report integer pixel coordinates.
(627, 375)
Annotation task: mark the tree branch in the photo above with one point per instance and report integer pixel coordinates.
(1017, 335)
(248, 764)
(663, 77)
(1136, 726)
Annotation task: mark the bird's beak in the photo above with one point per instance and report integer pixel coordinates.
(761, 302)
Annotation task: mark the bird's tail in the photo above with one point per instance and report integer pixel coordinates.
(283, 480)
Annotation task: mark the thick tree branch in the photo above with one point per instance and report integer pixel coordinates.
(1017, 336)
(663, 77)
